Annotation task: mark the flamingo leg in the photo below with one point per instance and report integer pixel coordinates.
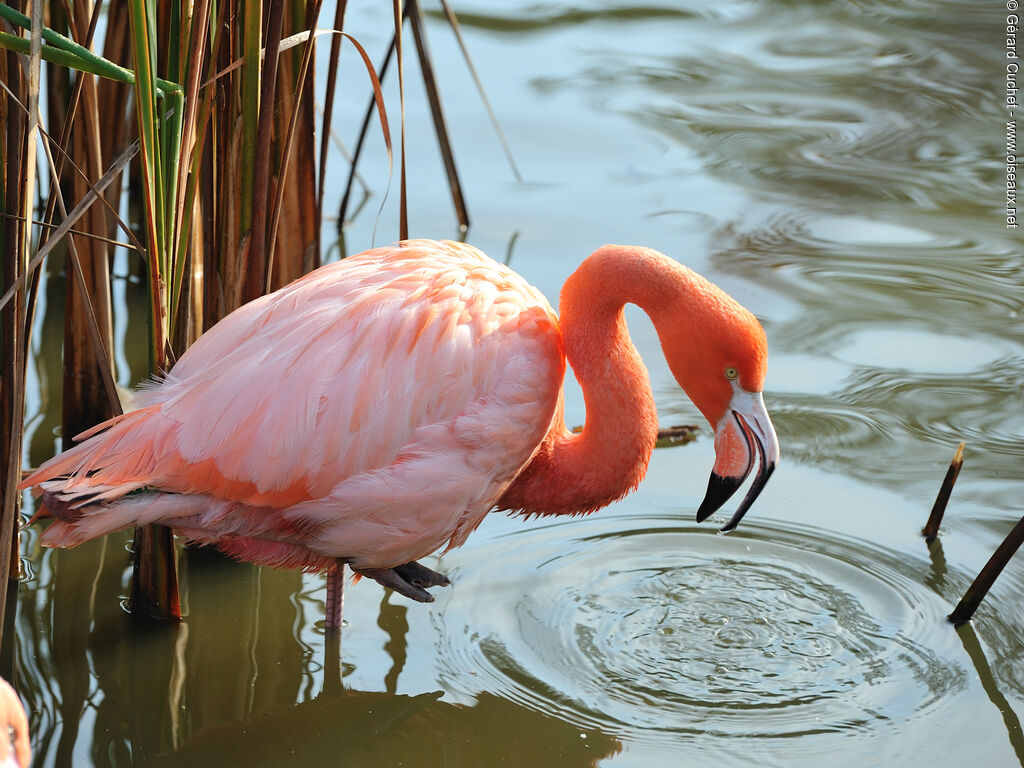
(411, 580)
(335, 598)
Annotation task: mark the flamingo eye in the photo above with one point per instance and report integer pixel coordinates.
(731, 373)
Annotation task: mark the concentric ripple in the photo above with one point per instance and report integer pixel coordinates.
(675, 630)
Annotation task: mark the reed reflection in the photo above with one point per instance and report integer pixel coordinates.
(221, 687)
(374, 728)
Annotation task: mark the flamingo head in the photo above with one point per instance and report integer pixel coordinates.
(719, 358)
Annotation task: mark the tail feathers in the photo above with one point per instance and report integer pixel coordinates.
(62, 503)
(75, 525)
(56, 507)
(110, 464)
(103, 426)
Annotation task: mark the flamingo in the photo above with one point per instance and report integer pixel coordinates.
(375, 410)
(15, 750)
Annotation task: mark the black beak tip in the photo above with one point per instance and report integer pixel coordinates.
(752, 494)
(720, 488)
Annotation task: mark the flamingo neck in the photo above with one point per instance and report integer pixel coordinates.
(579, 473)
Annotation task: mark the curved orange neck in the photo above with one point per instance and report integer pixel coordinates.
(578, 473)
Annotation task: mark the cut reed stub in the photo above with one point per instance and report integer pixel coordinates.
(979, 588)
(677, 435)
(154, 584)
(931, 528)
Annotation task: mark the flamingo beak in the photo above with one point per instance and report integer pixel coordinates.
(745, 424)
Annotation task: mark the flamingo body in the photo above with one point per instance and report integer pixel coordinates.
(373, 410)
(376, 409)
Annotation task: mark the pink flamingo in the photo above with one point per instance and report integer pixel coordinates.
(378, 408)
(15, 749)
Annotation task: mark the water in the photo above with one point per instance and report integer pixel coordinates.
(838, 169)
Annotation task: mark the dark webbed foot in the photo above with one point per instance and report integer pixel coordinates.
(411, 580)
(421, 576)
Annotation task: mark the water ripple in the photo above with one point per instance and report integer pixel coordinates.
(838, 105)
(546, 17)
(680, 632)
(871, 270)
(896, 427)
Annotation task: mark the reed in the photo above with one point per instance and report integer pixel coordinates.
(217, 111)
(979, 588)
(17, 160)
(986, 577)
(931, 528)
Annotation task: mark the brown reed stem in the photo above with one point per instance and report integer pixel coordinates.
(419, 33)
(154, 585)
(364, 131)
(931, 528)
(255, 275)
(976, 592)
(325, 130)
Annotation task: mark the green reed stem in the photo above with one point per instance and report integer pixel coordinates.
(146, 113)
(66, 52)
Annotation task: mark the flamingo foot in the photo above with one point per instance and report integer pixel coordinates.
(411, 580)
(421, 576)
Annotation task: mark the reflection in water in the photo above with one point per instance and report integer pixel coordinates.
(382, 729)
(258, 612)
(141, 687)
(221, 687)
(880, 425)
(995, 695)
(936, 580)
(677, 634)
(972, 645)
